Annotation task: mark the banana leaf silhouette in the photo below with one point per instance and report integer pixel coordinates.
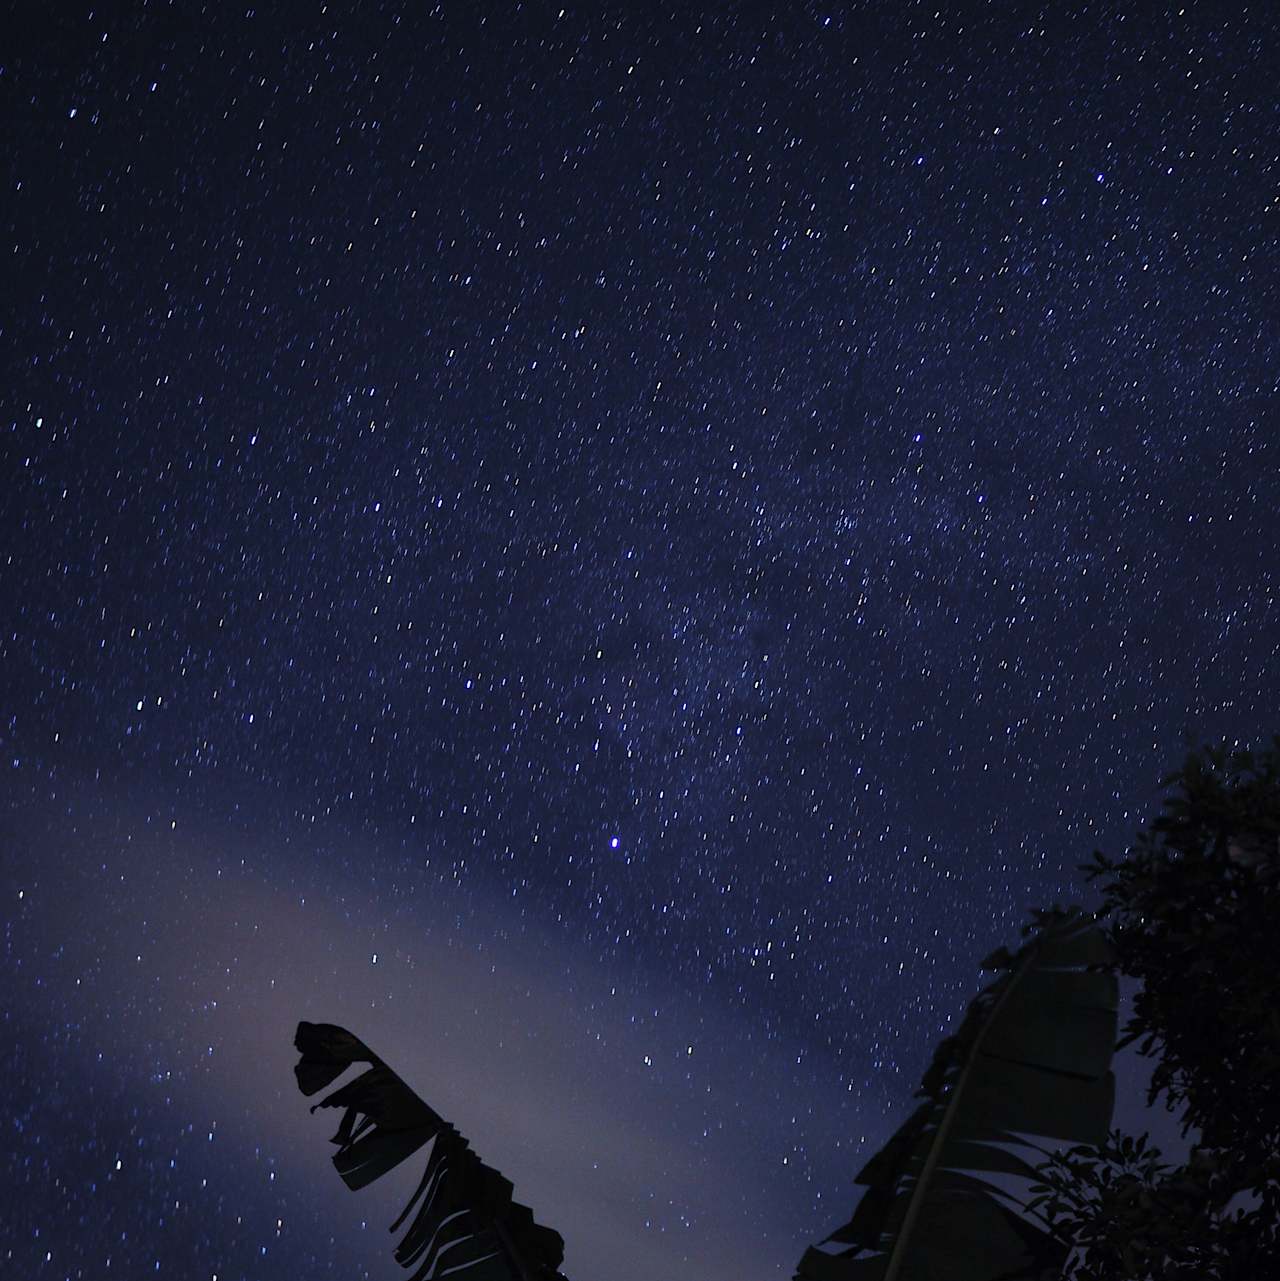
(466, 1225)
(1031, 1057)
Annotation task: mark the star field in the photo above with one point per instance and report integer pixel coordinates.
(615, 552)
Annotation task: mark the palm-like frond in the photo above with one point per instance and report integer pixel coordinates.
(1031, 1057)
(466, 1225)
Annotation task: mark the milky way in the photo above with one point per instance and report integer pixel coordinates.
(670, 529)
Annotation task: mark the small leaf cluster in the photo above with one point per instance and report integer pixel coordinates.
(1130, 1216)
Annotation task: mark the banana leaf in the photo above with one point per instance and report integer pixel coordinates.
(466, 1224)
(1032, 1057)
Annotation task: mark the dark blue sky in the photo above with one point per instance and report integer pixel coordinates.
(698, 518)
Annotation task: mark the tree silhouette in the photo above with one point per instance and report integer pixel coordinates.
(1193, 912)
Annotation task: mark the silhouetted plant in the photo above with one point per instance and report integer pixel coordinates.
(1128, 1216)
(1193, 912)
(1031, 1057)
(466, 1224)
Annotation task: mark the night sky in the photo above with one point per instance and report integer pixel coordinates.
(614, 551)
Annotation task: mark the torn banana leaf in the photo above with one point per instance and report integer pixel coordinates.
(1032, 1057)
(465, 1223)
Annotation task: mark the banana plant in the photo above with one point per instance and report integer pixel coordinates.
(1032, 1057)
(466, 1225)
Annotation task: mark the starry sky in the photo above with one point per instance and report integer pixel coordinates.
(614, 551)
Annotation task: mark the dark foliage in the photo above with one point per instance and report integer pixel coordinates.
(1129, 1216)
(1193, 912)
